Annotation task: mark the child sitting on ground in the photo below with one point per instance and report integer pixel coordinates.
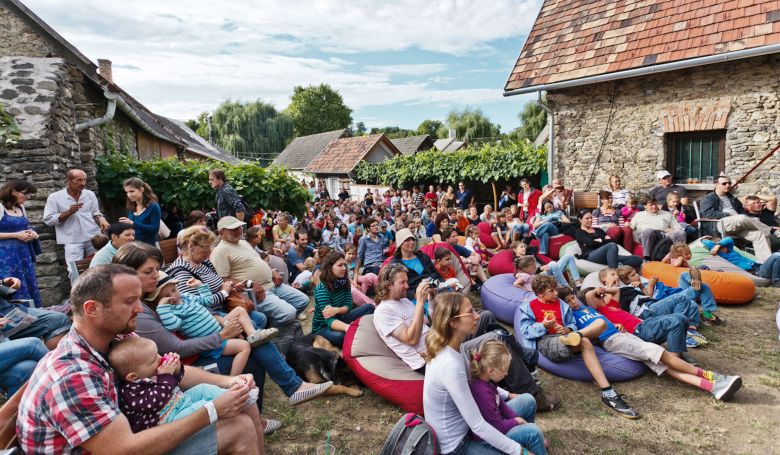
(489, 365)
(189, 315)
(149, 393)
(678, 256)
(547, 324)
(614, 339)
(303, 280)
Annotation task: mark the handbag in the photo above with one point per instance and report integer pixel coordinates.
(164, 232)
(238, 299)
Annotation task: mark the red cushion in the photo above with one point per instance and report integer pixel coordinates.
(637, 250)
(555, 244)
(485, 229)
(502, 262)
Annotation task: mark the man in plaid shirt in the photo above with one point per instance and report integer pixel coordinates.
(227, 201)
(70, 405)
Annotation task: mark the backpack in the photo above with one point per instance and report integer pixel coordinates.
(661, 248)
(411, 436)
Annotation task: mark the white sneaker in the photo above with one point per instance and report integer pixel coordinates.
(302, 316)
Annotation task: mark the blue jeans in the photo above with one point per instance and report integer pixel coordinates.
(609, 255)
(704, 294)
(262, 359)
(49, 324)
(17, 362)
(670, 328)
(566, 263)
(770, 269)
(521, 229)
(282, 304)
(528, 435)
(336, 337)
(681, 303)
(543, 233)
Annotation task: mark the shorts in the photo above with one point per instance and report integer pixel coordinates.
(203, 442)
(635, 348)
(215, 353)
(551, 347)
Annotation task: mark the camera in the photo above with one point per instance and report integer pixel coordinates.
(433, 283)
(249, 284)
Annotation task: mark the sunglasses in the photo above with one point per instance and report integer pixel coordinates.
(725, 183)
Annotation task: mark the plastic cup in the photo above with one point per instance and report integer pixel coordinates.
(326, 449)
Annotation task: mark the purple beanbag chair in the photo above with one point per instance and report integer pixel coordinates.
(617, 368)
(501, 298)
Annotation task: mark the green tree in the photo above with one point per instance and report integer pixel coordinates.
(393, 132)
(532, 121)
(316, 109)
(360, 129)
(432, 128)
(472, 124)
(252, 131)
(199, 125)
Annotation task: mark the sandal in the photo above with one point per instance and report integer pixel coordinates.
(695, 278)
(571, 339)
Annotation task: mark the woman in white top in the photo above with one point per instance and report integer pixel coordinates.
(619, 194)
(449, 406)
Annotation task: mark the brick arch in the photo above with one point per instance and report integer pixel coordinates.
(697, 117)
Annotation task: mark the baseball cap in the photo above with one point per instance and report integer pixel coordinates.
(229, 222)
(161, 282)
(403, 235)
(384, 224)
(663, 174)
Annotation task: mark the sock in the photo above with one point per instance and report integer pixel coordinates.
(707, 314)
(705, 374)
(706, 385)
(608, 392)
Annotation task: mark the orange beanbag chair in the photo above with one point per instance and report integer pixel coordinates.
(727, 288)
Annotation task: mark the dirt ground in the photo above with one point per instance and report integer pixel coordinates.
(675, 418)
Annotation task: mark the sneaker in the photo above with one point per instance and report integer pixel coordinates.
(693, 333)
(711, 319)
(271, 425)
(571, 339)
(302, 316)
(302, 396)
(260, 336)
(695, 278)
(535, 375)
(547, 401)
(617, 404)
(691, 343)
(687, 358)
(723, 389)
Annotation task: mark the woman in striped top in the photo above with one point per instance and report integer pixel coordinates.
(333, 301)
(609, 219)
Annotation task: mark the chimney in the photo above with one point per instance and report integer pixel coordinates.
(450, 132)
(104, 69)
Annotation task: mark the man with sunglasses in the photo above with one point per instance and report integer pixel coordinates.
(732, 221)
(665, 186)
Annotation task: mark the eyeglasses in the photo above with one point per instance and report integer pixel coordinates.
(472, 312)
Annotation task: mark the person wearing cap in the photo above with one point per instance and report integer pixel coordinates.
(384, 230)
(419, 265)
(236, 260)
(665, 186)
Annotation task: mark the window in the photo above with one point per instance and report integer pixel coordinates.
(696, 155)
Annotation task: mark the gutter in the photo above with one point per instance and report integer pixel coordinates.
(664, 67)
(110, 111)
(128, 110)
(551, 145)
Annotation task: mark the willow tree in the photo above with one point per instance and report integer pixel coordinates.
(472, 124)
(253, 131)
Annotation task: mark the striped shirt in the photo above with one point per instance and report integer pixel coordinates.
(206, 273)
(191, 317)
(324, 297)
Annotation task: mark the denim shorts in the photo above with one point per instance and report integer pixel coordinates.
(203, 442)
(215, 353)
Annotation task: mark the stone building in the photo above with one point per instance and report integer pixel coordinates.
(637, 87)
(49, 88)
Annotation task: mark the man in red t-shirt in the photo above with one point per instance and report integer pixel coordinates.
(547, 324)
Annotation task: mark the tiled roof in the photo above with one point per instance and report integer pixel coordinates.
(195, 143)
(342, 155)
(572, 39)
(302, 150)
(413, 144)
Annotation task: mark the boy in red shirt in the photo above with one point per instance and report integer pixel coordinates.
(547, 324)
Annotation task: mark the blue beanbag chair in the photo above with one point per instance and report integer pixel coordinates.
(501, 298)
(617, 368)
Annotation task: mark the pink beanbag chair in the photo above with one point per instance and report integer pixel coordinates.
(502, 262)
(485, 229)
(377, 366)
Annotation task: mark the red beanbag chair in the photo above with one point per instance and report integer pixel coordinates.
(502, 262)
(556, 242)
(377, 366)
(485, 229)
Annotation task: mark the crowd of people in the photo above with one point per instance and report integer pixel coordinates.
(172, 357)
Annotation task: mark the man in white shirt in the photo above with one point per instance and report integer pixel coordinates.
(653, 224)
(75, 214)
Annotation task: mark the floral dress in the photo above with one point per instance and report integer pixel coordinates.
(16, 258)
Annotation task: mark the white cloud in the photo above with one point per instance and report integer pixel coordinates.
(183, 58)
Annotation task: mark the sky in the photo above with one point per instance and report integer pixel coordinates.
(396, 63)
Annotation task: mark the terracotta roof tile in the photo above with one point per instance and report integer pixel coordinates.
(342, 155)
(579, 38)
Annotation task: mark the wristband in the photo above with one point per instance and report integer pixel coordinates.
(213, 417)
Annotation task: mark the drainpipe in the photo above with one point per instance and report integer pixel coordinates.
(551, 145)
(110, 110)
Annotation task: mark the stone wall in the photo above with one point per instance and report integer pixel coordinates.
(18, 37)
(596, 138)
(38, 93)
